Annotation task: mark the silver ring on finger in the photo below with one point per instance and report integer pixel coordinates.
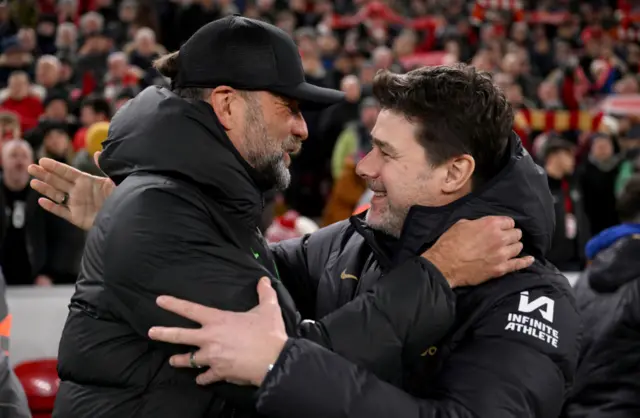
(192, 361)
(65, 199)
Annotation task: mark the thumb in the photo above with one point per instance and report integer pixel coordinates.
(266, 294)
(96, 156)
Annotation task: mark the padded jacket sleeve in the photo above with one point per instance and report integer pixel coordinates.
(408, 310)
(505, 369)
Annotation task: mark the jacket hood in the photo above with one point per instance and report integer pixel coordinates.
(161, 133)
(616, 265)
(520, 191)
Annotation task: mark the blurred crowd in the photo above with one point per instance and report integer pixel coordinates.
(569, 68)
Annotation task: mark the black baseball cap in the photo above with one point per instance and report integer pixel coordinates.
(248, 54)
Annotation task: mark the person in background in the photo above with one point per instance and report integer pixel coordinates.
(21, 218)
(572, 227)
(597, 179)
(94, 109)
(84, 159)
(608, 295)
(56, 143)
(22, 101)
(9, 126)
(13, 58)
(630, 147)
(352, 145)
(49, 78)
(123, 97)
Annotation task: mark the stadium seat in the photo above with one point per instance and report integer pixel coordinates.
(40, 381)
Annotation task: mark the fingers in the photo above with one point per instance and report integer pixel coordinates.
(184, 360)
(52, 179)
(58, 210)
(266, 294)
(177, 335)
(208, 377)
(66, 172)
(190, 310)
(47, 190)
(511, 251)
(516, 264)
(502, 222)
(511, 236)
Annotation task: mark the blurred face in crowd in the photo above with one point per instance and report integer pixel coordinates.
(265, 129)
(57, 143)
(511, 64)
(350, 85)
(145, 42)
(405, 44)
(602, 148)
(286, 21)
(514, 95)
(56, 110)
(482, 61)
(367, 73)
(127, 12)
(91, 25)
(66, 36)
(87, 116)
(67, 8)
(382, 58)
(368, 116)
(18, 86)
(9, 131)
(47, 73)
(503, 81)
(562, 162)
(399, 173)
(519, 32)
(328, 44)
(16, 157)
(27, 38)
(117, 66)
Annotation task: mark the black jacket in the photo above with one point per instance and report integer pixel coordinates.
(184, 221)
(565, 253)
(511, 353)
(608, 295)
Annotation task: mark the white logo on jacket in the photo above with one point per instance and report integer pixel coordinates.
(527, 307)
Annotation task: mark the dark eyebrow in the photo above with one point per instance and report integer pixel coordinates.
(384, 146)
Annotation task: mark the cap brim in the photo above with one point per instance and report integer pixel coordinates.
(311, 97)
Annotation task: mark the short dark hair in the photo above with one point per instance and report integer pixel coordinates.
(167, 65)
(628, 204)
(99, 105)
(458, 111)
(556, 144)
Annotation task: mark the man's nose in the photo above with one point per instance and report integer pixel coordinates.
(299, 128)
(366, 168)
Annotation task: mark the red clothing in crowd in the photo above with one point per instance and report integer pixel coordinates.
(79, 139)
(28, 109)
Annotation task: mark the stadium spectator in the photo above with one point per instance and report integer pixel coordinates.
(597, 177)
(93, 109)
(22, 100)
(572, 228)
(608, 295)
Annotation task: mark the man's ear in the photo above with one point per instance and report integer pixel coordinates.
(459, 172)
(223, 100)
